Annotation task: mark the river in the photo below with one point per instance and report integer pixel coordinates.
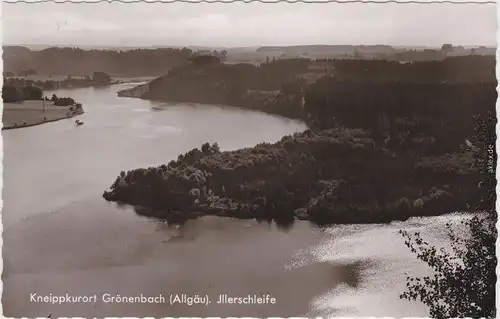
(60, 236)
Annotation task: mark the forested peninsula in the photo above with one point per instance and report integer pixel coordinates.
(387, 141)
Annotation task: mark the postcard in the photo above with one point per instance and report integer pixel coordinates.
(249, 159)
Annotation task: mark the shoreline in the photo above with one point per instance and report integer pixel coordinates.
(182, 217)
(305, 120)
(139, 92)
(12, 127)
(36, 112)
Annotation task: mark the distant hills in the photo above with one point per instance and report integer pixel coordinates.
(78, 62)
(288, 48)
(154, 61)
(370, 51)
(332, 49)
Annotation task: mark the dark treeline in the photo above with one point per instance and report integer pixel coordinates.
(18, 90)
(14, 93)
(402, 151)
(216, 81)
(75, 61)
(452, 69)
(402, 114)
(269, 75)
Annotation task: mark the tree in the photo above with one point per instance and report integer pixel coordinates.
(10, 94)
(294, 86)
(464, 281)
(223, 55)
(29, 72)
(32, 93)
(204, 60)
(463, 284)
(64, 101)
(101, 78)
(446, 48)
(357, 55)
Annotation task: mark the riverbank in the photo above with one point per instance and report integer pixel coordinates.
(269, 102)
(31, 113)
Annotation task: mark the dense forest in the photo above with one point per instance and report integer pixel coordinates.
(15, 93)
(383, 146)
(402, 114)
(452, 69)
(75, 61)
(331, 176)
(203, 78)
(225, 78)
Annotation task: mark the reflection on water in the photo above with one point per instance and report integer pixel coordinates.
(94, 247)
(180, 218)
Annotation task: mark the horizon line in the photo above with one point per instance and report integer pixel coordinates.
(27, 45)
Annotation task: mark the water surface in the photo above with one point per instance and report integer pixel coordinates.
(61, 237)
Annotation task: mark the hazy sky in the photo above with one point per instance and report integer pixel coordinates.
(253, 24)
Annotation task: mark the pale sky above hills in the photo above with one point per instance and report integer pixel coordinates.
(254, 24)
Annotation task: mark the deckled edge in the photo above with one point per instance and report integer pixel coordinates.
(459, 2)
(1, 163)
(497, 128)
(497, 144)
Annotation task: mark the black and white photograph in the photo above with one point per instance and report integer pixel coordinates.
(249, 159)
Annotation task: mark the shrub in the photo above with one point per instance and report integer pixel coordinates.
(64, 101)
(10, 94)
(463, 284)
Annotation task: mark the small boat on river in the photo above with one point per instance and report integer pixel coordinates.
(78, 122)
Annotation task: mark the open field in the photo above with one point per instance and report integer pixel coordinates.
(30, 113)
